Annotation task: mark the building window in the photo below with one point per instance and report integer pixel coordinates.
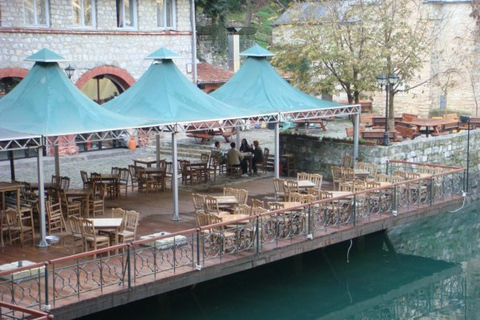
(83, 13)
(166, 14)
(36, 12)
(126, 13)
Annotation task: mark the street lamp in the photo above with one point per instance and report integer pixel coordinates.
(466, 119)
(388, 82)
(69, 71)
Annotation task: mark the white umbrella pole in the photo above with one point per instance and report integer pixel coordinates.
(41, 196)
(175, 176)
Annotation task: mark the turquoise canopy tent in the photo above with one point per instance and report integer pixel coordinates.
(257, 87)
(45, 103)
(165, 95)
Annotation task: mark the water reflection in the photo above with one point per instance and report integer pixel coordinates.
(374, 284)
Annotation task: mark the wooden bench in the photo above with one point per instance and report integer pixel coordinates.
(378, 136)
(349, 130)
(366, 119)
(200, 135)
(307, 123)
(379, 122)
(405, 132)
(204, 135)
(451, 127)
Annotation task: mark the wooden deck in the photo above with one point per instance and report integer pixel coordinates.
(187, 269)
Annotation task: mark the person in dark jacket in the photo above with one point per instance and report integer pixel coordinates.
(257, 156)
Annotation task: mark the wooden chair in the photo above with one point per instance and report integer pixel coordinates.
(381, 177)
(145, 182)
(85, 179)
(75, 224)
(211, 207)
(317, 179)
(92, 240)
(133, 177)
(97, 201)
(71, 208)
(264, 164)
(396, 179)
(257, 203)
(279, 188)
(241, 195)
(128, 229)
(295, 197)
(198, 202)
(243, 209)
(228, 191)
(55, 221)
(16, 229)
(291, 186)
(64, 183)
(347, 161)
(348, 174)
(123, 181)
(336, 177)
(303, 176)
(202, 218)
(346, 186)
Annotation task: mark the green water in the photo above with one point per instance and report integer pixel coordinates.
(434, 274)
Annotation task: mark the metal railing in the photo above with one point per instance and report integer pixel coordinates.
(66, 280)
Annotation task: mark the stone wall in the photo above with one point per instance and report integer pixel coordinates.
(89, 47)
(314, 155)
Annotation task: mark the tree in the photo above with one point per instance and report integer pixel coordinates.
(342, 46)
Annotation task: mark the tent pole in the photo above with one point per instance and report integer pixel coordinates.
(175, 175)
(356, 129)
(239, 136)
(41, 196)
(12, 165)
(57, 161)
(157, 148)
(277, 148)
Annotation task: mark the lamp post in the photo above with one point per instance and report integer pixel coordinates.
(466, 119)
(69, 71)
(388, 82)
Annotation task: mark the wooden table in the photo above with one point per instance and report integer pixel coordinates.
(427, 123)
(10, 186)
(248, 156)
(148, 161)
(107, 224)
(80, 194)
(159, 174)
(233, 217)
(229, 201)
(361, 173)
(304, 184)
(289, 159)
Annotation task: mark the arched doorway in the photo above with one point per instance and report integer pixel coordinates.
(103, 88)
(102, 84)
(9, 78)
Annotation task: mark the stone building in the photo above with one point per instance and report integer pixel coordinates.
(450, 77)
(105, 41)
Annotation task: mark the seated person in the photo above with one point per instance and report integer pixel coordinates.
(245, 147)
(234, 158)
(257, 156)
(218, 153)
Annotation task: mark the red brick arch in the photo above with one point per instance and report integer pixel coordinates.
(122, 76)
(13, 72)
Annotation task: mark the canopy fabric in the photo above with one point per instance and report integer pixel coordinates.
(259, 88)
(6, 135)
(46, 103)
(163, 93)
